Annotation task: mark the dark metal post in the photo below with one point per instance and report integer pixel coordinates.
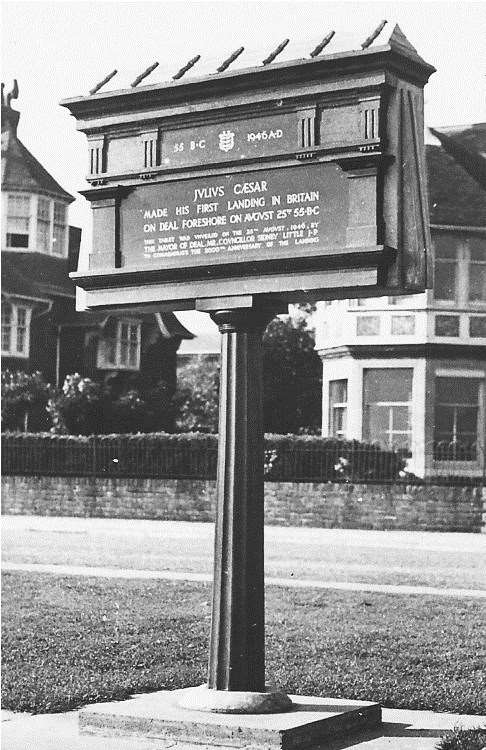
(236, 655)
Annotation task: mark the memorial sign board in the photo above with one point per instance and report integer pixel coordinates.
(293, 181)
(237, 193)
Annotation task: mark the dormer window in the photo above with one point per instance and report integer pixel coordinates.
(18, 221)
(43, 224)
(120, 347)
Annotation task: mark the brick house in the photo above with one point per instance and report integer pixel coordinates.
(40, 328)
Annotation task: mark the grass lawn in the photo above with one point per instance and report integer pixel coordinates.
(68, 641)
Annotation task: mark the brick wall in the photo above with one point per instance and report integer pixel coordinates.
(431, 508)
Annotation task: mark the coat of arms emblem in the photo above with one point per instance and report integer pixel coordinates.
(226, 140)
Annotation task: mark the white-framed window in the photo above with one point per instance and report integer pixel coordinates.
(43, 224)
(459, 418)
(60, 228)
(15, 329)
(120, 347)
(446, 267)
(460, 269)
(338, 408)
(387, 404)
(18, 221)
(477, 270)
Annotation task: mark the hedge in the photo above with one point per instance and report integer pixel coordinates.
(291, 458)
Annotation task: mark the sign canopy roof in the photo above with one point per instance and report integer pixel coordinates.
(397, 49)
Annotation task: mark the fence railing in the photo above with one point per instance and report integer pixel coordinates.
(287, 458)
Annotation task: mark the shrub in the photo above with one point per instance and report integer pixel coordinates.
(79, 408)
(24, 401)
(289, 458)
(463, 739)
(197, 398)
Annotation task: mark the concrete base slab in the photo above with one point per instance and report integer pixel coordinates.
(311, 722)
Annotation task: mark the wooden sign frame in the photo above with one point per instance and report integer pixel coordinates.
(359, 114)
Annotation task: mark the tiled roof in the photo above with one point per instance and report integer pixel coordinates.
(44, 275)
(455, 197)
(22, 171)
(14, 283)
(467, 145)
(96, 319)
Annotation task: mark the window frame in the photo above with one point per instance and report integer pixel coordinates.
(28, 198)
(56, 225)
(480, 423)
(464, 247)
(334, 406)
(13, 350)
(391, 414)
(116, 344)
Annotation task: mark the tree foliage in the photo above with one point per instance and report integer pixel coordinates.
(83, 407)
(292, 373)
(24, 401)
(196, 399)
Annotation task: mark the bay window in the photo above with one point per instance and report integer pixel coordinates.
(457, 418)
(387, 402)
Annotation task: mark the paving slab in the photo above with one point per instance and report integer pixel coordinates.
(401, 730)
(311, 721)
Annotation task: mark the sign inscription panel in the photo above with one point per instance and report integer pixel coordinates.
(237, 217)
(237, 139)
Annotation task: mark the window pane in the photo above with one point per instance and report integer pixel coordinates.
(401, 418)
(447, 325)
(445, 245)
(59, 213)
(18, 213)
(477, 282)
(457, 390)
(445, 274)
(6, 326)
(43, 236)
(379, 421)
(19, 205)
(44, 209)
(338, 391)
(111, 351)
(123, 353)
(388, 384)
(58, 240)
(477, 246)
(17, 225)
(456, 419)
(477, 326)
(132, 357)
(400, 441)
(21, 340)
(59, 234)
